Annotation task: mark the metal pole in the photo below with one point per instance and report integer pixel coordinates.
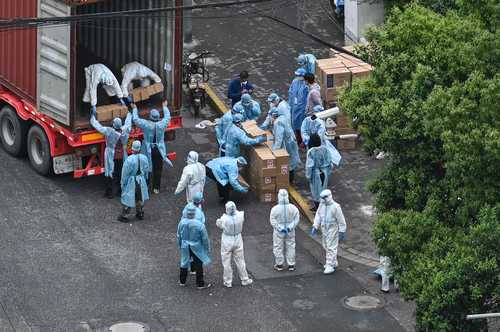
(188, 22)
(178, 52)
(479, 316)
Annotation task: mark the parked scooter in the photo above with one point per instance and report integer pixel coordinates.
(195, 75)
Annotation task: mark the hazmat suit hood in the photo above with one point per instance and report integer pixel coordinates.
(283, 197)
(230, 208)
(154, 115)
(241, 161)
(326, 197)
(192, 157)
(117, 123)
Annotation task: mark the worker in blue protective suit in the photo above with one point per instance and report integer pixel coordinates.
(297, 99)
(308, 62)
(275, 102)
(236, 136)
(251, 107)
(116, 140)
(135, 171)
(339, 7)
(225, 172)
(313, 125)
(197, 202)
(284, 138)
(223, 125)
(272, 115)
(154, 146)
(318, 168)
(194, 247)
(239, 86)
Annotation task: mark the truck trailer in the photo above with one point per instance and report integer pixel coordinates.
(42, 78)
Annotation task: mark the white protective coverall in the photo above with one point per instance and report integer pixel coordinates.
(284, 218)
(231, 245)
(137, 71)
(192, 178)
(330, 218)
(100, 74)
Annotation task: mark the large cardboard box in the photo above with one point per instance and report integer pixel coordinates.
(262, 161)
(252, 129)
(154, 89)
(139, 94)
(109, 112)
(282, 161)
(282, 181)
(360, 72)
(345, 131)
(343, 120)
(120, 111)
(344, 144)
(267, 194)
(258, 181)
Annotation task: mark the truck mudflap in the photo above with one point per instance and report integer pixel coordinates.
(91, 169)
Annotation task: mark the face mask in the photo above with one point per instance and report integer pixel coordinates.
(300, 78)
(244, 82)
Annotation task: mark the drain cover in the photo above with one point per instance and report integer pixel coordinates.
(362, 302)
(129, 327)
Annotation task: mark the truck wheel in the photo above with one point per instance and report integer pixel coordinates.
(39, 150)
(12, 132)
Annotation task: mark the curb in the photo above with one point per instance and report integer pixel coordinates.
(344, 251)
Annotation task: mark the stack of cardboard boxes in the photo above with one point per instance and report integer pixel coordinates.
(267, 170)
(337, 72)
(109, 112)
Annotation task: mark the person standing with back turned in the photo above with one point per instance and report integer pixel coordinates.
(154, 146)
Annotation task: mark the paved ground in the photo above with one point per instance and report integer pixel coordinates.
(67, 265)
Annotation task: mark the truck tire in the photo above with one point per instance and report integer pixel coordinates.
(39, 150)
(13, 132)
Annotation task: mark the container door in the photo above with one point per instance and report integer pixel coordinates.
(54, 45)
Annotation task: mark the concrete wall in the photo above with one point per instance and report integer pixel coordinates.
(359, 15)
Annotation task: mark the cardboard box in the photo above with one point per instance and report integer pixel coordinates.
(336, 77)
(267, 194)
(120, 111)
(259, 182)
(155, 89)
(344, 131)
(343, 120)
(347, 144)
(262, 161)
(360, 72)
(104, 114)
(282, 161)
(330, 94)
(282, 181)
(139, 94)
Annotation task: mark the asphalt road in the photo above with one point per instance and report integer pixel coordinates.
(66, 264)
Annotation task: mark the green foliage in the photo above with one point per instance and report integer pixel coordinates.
(432, 104)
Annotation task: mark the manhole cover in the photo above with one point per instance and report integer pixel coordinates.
(129, 327)
(362, 302)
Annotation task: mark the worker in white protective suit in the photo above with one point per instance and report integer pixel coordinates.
(100, 74)
(137, 71)
(384, 270)
(192, 178)
(284, 218)
(330, 218)
(231, 245)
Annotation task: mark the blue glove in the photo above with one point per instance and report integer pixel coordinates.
(130, 99)
(245, 190)
(93, 110)
(288, 230)
(313, 231)
(262, 139)
(342, 236)
(122, 102)
(284, 231)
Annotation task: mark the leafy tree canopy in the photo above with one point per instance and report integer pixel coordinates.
(432, 103)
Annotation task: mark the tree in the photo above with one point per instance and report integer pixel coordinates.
(432, 104)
